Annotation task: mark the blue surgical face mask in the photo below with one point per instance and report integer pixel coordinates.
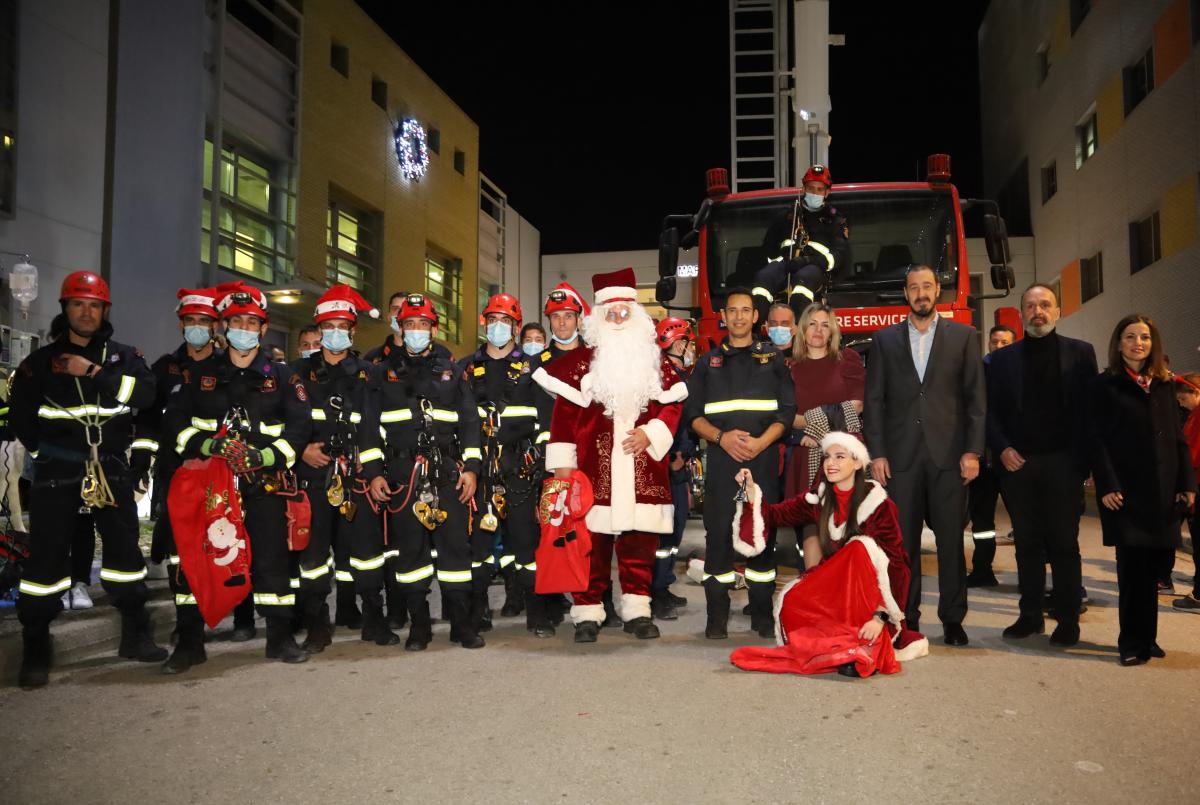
(395, 325)
(242, 340)
(308, 353)
(336, 340)
(532, 348)
(417, 341)
(499, 333)
(780, 336)
(814, 202)
(196, 335)
(565, 340)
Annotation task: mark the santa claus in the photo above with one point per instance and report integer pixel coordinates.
(617, 408)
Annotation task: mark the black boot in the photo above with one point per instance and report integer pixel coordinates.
(420, 630)
(717, 597)
(462, 630)
(189, 649)
(35, 662)
(557, 607)
(243, 621)
(611, 619)
(481, 613)
(586, 631)
(642, 628)
(347, 613)
(397, 608)
(661, 606)
(537, 619)
(320, 634)
(762, 615)
(137, 637)
(281, 645)
(514, 596)
(375, 626)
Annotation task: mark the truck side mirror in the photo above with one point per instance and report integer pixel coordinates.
(995, 236)
(668, 253)
(664, 290)
(1003, 278)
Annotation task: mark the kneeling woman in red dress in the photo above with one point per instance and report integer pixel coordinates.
(842, 613)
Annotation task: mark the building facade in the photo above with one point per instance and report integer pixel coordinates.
(1091, 122)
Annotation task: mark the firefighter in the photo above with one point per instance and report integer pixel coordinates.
(421, 459)
(805, 245)
(674, 338)
(71, 406)
(336, 380)
(741, 401)
(254, 413)
(514, 416)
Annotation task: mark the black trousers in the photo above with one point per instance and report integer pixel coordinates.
(1137, 587)
(982, 495)
(1194, 530)
(316, 567)
(414, 565)
(1045, 501)
(925, 494)
(54, 523)
(519, 530)
(83, 549)
(719, 489)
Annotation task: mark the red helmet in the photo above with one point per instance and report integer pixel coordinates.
(504, 303)
(84, 285)
(670, 330)
(818, 173)
(564, 297)
(417, 306)
(240, 299)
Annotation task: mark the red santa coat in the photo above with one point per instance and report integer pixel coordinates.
(632, 493)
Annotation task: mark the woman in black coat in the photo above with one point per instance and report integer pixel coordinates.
(1143, 475)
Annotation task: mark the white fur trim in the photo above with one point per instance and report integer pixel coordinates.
(880, 561)
(561, 456)
(759, 534)
(634, 606)
(851, 443)
(661, 438)
(780, 637)
(676, 393)
(874, 499)
(606, 295)
(654, 518)
(581, 613)
(557, 388)
(815, 497)
(914, 650)
(197, 299)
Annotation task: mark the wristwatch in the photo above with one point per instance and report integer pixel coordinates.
(884, 618)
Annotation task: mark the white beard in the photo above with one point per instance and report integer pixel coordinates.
(626, 363)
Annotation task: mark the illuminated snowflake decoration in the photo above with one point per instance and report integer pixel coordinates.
(411, 149)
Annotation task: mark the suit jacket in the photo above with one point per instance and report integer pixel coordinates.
(1005, 390)
(946, 410)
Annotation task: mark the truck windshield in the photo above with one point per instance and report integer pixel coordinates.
(889, 231)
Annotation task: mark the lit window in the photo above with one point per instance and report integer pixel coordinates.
(351, 240)
(1086, 140)
(443, 285)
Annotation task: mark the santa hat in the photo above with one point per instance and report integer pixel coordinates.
(615, 286)
(849, 441)
(239, 299)
(201, 302)
(571, 300)
(343, 302)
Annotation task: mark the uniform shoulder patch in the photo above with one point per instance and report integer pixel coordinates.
(301, 394)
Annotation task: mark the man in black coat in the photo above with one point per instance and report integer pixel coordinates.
(1037, 396)
(924, 423)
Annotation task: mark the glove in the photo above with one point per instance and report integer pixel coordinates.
(219, 446)
(249, 459)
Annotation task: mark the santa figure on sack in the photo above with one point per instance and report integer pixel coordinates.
(618, 404)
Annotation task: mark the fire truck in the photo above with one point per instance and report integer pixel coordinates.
(892, 225)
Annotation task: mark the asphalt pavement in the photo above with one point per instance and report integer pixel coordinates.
(668, 720)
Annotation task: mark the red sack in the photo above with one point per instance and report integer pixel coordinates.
(819, 616)
(564, 553)
(210, 537)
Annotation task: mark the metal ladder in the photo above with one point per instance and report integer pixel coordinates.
(758, 78)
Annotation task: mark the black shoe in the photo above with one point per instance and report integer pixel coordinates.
(1189, 603)
(955, 635)
(243, 633)
(850, 670)
(420, 632)
(397, 612)
(677, 601)
(35, 662)
(137, 638)
(765, 627)
(747, 610)
(537, 616)
(514, 596)
(374, 624)
(586, 631)
(642, 628)
(1156, 651)
(1065, 635)
(1129, 660)
(982, 579)
(320, 634)
(188, 652)
(462, 630)
(347, 613)
(281, 645)
(1025, 626)
(661, 608)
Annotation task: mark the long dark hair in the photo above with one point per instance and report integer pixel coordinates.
(829, 506)
(1155, 365)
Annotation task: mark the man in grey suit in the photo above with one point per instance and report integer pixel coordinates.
(925, 422)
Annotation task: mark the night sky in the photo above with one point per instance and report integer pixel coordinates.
(599, 129)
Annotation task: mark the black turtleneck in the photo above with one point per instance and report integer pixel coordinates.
(1043, 414)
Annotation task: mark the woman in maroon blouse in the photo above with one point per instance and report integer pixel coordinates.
(829, 385)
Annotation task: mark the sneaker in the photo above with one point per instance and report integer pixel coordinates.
(79, 596)
(1189, 603)
(1166, 587)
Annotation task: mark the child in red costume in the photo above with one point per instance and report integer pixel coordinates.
(842, 613)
